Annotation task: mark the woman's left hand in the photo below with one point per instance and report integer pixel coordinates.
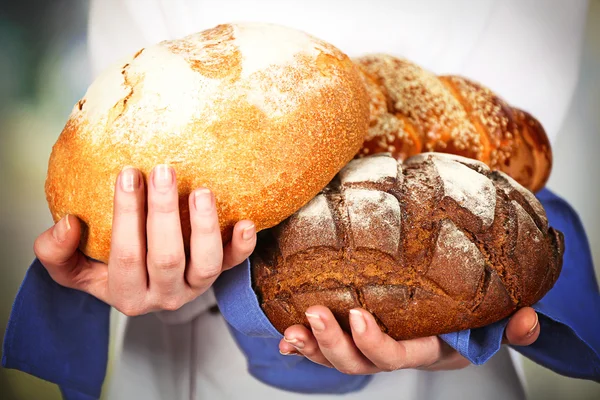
(368, 350)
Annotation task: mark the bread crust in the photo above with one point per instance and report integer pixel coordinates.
(250, 111)
(414, 111)
(437, 244)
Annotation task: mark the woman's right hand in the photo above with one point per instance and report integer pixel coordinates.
(147, 270)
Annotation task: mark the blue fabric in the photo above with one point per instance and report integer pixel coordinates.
(570, 312)
(259, 340)
(61, 335)
(569, 315)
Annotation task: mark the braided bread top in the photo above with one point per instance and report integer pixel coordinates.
(414, 111)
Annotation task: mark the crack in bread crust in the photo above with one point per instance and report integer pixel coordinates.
(247, 110)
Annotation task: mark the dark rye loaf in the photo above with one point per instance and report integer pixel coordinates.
(437, 244)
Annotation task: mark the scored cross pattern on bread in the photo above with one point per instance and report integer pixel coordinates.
(414, 111)
(436, 244)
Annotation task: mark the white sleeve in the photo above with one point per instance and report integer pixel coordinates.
(529, 53)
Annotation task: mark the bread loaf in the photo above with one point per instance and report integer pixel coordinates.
(437, 244)
(414, 111)
(248, 110)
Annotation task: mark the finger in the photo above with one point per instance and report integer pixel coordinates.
(453, 360)
(287, 349)
(206, 246)
(388, 354)
(291, 352)
(56, 248)
(241, 246)
(336, 345)
(298, 339)
(166, 254)
(127, 260)
(383, 351)
(523, 328)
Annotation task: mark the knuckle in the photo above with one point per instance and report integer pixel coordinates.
(130, 309)
(38, 248)
(162, 204)
(239, 252)
(389, 367)
(309, 352)
(171, 304)
(126, 206)
(167, 261)
(128, 259)
(351, 369)
(207, 272)
(205, 225)
(328, 342)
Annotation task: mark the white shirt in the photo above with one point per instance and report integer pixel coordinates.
(527, 51)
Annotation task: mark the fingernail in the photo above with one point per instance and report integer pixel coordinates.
(357, 320)
(203, 200)
(299, 344)
(532, 330)
(129, 179)
(163, 178)
(315, 322)
(61, 229)
(288, 353)
(248, 232)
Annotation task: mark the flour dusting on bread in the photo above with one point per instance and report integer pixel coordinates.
(264, 45)
(529, 197)
(371, 169)
(420, 263)
(166, 86)
(455, 251)
(468, 188)
(374, 219)
(317, 208)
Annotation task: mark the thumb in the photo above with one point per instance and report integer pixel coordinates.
(56, 248)
(523, 328)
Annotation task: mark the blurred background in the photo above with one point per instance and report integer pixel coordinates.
(44, 71)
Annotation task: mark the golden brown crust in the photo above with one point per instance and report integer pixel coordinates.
(256, 142)
(441, 245)
(451, 114)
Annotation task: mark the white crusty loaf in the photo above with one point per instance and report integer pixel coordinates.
(263, 115)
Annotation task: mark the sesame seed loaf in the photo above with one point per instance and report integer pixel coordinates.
(437, 244)
(414, 111)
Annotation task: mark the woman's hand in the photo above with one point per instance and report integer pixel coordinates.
(147, 270)
(368, 350)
